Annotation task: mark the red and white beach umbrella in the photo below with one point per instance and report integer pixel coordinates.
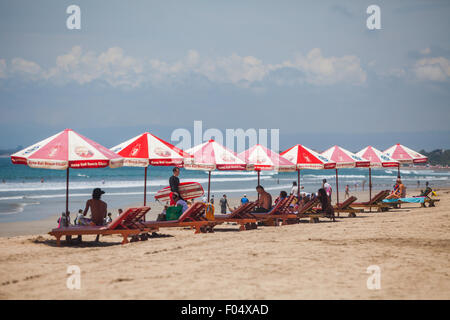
(64, 150)
(305, 158)
(404, 155)
(344, 159)
(265, 159)
(147, 149)
(212, 155)
(377, 160)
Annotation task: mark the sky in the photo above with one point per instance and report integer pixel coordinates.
(311, 69)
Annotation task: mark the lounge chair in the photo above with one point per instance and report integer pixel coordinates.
(398, 202)
(126, 224)
(426, 193)
(346, 207)
(192, 217)
(281, 211)
(310, 210)
(241, 215)
(375, 202)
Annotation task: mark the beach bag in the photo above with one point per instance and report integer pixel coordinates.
(209, 211)
(173, 213)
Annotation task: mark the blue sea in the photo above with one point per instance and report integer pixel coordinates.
(24, 197)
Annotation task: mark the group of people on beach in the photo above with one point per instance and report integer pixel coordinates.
(99, 215)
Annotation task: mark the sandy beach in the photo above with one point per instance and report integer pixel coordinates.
(303, 261)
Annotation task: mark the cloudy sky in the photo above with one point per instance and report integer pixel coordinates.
(309, 68)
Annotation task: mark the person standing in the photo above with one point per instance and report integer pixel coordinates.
(294, 189)
(174, 183)
(244, 199)
(224, 204)
(347, 192)
(327, 187)
(363, 184)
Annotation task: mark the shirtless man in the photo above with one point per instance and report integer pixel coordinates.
(98, 209)
(265, 200)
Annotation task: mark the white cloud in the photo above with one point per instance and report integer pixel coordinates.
(118, 69)
(432, 69)
(27, 69)
(321, 70)
(2, 68)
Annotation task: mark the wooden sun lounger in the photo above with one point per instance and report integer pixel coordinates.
(192, 217)
(125, 224)
(375, 202)
(428, 199)
(309, 210)
(241, 215)
(346, 207)
(281, 211)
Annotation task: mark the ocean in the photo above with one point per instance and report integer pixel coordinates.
(23, 197)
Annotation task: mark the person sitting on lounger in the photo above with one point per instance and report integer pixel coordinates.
(180, 202)
(325, 203)
(283, 195)
(98, 209)
(426, 192)
(265, 200)
(399, 190)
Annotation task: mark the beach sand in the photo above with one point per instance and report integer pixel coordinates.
(325, 260)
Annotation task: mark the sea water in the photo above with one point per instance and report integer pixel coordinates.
(32, 194)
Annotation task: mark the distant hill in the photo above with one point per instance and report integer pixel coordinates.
(438, 156)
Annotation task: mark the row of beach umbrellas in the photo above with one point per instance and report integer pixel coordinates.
(70, 150)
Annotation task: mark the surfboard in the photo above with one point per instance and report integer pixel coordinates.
(188, 190)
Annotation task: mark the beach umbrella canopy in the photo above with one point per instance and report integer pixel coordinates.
(211, 155)
(147, 149)
(377, 160)
(305, 158)
(265, 159)
(64, 150)
(404, 154)
(344, 159)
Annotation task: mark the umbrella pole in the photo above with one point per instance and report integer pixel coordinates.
(298, 184)
(68, 237)
(398, 171)
(209, 183)
(370, 188)
(145, 187)
(67, 194)
(337, 191)
(258, 171)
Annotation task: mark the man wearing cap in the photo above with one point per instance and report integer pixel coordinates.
(244, 199)
(98, 208)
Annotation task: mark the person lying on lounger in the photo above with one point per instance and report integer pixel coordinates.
(265, 200)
